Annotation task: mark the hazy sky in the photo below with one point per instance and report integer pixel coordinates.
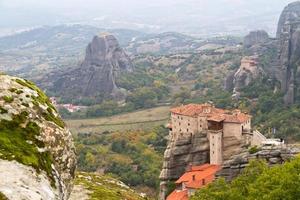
(151, 13)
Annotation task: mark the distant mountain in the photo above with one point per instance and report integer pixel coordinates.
(36, 52)
(61, 37)
(39, 51)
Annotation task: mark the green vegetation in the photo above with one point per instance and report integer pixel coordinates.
(105, 187)
(14, 144)
(135, 157)
(3, 197)
(253, 150)
(49, 116)
(41, 98)
(138, 120)
(258, 181)
(8, 99)
(3, 111)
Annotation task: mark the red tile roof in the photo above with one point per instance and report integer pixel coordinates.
(194, 177)
(178, 195)
(212, 113)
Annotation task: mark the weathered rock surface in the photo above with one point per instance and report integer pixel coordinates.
(288, 35)
(183, 151)
(96, 76)
(248, 72)
(37, 155)
(256, 38)
(192, 149)
(276, 155)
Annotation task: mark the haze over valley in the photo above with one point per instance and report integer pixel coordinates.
(149, 100)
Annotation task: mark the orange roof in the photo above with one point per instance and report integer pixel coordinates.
(196, 109)
(194, 177)
(178, 195)
(212, 113)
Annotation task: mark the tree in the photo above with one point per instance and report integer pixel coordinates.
(258, 181)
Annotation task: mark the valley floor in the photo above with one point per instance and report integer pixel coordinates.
(138, 120)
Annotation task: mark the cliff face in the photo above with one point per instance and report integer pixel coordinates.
(282, 52)
(192, 149)
(288, 35)
(237, 163)
(103, 63)
(37, 155)
(248, 72)
(256, 38)
(181, 152)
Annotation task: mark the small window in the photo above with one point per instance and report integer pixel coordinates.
(213, 152)
(200, 126)
(181, 118)
(179, 123)
(189, 124)
(203, 181)
(187, 130)
(177, 117)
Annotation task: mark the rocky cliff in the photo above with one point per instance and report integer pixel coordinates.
(96, 76)
(181, 152)
(275, 155)
(256, 38)
(192, 149)
(37, 155)
(280, 56)
(248, 72)
(288, 35)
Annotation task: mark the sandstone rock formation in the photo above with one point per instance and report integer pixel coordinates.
(96, 76)
(37, 155)
(192, 149)
(256, 38)
(275, 155)
(248, 72)
(183, 151)
(288, 35)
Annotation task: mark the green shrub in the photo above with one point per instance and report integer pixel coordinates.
(8, 99)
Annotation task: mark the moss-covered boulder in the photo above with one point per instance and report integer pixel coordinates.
(37, 155)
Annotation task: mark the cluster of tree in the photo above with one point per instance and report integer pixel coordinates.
(134, 157)
(258, 181)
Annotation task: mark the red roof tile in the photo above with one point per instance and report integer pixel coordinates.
(178, 195)
(194, 177)
(212, 113)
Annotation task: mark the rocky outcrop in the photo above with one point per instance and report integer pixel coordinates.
(37, 155)
(248, 72)
(288, 35)
(276, 155)
(256, 38)
(96, 76)
(183, 151)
